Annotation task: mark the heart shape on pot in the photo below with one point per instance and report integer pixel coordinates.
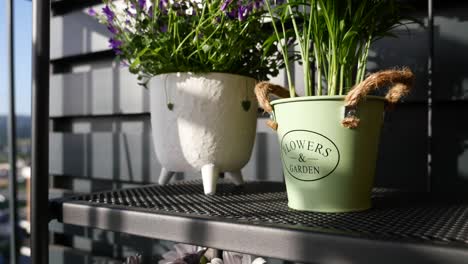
(246, 105)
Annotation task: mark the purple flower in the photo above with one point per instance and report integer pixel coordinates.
(92, 12)
(232, 14)
(129, 13)
(242, 13)
(115, 45)
(225, 5)
(112, 29)
(163, 5)
(163, 28)
(142, 4)
(258, 4)
(150, 12)
(109, 13)
(250, 8)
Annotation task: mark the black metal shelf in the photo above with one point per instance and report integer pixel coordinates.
(254, 218)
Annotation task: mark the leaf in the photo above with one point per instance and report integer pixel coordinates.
(342, 25)
(206, 48)
(137, 58)
(349, 35)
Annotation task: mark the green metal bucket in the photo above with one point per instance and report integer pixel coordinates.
(327, 167)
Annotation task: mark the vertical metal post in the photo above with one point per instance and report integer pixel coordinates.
(430, 67)
(40, 132)
(12, 136)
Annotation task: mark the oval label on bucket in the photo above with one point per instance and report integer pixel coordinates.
(308, 155)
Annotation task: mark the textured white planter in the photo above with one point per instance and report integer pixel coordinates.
(203, 122)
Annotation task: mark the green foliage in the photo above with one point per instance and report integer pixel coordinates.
(191, 36)
(335, 35)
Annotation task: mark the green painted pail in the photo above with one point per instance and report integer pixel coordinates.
(327, 167)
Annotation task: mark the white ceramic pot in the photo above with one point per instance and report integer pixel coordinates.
(203, 122)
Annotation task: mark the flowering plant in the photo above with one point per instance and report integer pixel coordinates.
(190, 254)
(335, 35)
(164, 36)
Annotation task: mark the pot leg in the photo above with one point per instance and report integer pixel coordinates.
(236, 177)
(210, 176)
(165, 176)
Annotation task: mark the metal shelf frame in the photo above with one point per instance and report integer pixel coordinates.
(40, 132)
(12, 175)
(255, 219)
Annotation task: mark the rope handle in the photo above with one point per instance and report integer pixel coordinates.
(400, 82)
(263, 91)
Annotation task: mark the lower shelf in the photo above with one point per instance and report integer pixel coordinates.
(255, 219)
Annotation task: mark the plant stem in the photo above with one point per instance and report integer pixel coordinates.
(318, 41)
(292, 90)
(201, 23)
(333, 70)
(349, 81)
(308, 42)
(301, 46)
(318, 65)
(342, 69)
(363, 61)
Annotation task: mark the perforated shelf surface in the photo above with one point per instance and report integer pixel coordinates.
(255, 218)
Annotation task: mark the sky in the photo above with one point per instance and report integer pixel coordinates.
(22, 31)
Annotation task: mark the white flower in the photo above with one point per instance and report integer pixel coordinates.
(238, 258)
(216, 261)
(189, 254)
(181, 251)
(258, 46)
(189, 11)
(133, 260)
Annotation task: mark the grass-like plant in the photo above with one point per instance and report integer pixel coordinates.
(165, 36)
(334, 37)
